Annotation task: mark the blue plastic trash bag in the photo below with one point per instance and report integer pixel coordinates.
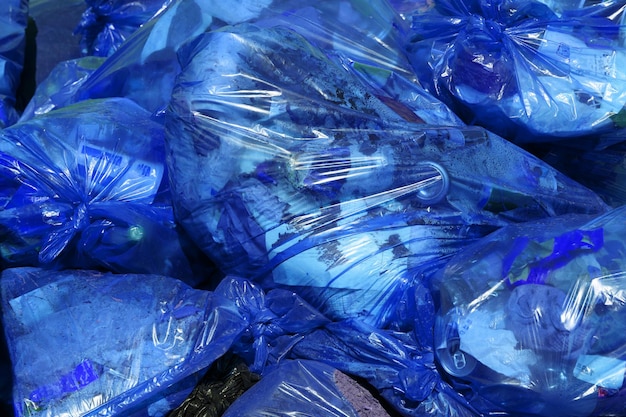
(269, 316)
(106, 24)
(532, 318)
(287, 170)
(13, 21)
(306, 388)
(87, 343)
(401, 371)
(86, 186)
(520, 70)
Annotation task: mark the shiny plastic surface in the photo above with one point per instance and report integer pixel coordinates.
(106, 24)
(532, 318)
(87, 343)
(13, 21)
(86, 186)
(288, 169)
(520, 69)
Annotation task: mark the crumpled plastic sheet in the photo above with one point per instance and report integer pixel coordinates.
(400, 367)
(90, 343)
(106, 24)
(531, 319)
(287, 170)
(86, 187)
(522, 70)
(144, 66)
(13, 21)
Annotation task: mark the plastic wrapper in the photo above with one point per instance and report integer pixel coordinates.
(306, 388)
(90, 343)
(531, 318)
(86, 187)
(286, 169)
(521, 70)
(13, 21)
(106, 24)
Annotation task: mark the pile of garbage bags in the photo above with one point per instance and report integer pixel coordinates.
(280, 207)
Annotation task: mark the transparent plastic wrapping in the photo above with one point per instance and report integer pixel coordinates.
(531, 318)
(287, 169)
(106, 24)
(86, 186)
(13, 21)
(519, 69)
(306, 388)
(86, 343)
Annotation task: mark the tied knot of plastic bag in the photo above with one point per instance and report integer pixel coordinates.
(264, 328)
(268, 317)
(56, 241)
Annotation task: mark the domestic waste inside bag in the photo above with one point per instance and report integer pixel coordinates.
(286, 169)
(531, 319)
(13, 21)
(86, 187)
(227, 380)
(520, 69)
(369, 45)
(93, 343)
